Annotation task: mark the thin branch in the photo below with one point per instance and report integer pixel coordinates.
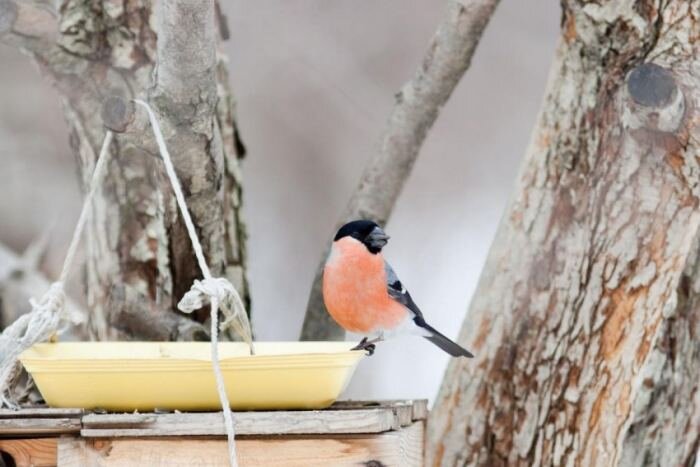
(417, 107)
(34, 254)
(186, 69)
(165, 325)
(20, 281)
(27, 25)
(222, 23)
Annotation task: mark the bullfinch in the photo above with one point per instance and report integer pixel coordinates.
(363, 294)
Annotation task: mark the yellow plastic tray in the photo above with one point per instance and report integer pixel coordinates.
(178, 375)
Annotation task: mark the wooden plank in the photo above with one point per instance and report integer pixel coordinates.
(405, 411)
(247, 423)
(39, 421)
(368, 404)
(420, 409)
(39, 452)
(38, 426)
(419, 406)
(41, 412)
(345, 417)
(395, 448)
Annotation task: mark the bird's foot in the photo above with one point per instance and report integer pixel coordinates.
(366, 345)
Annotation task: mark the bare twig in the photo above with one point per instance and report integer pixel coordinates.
(417, 106)
(20, 281)
(34, 254)
(222, 23)
(27, 25)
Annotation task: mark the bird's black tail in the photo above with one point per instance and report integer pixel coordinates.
(443, 341)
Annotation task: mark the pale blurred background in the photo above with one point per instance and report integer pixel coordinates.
(315, 81)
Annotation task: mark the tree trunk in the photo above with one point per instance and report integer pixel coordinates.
(139, 261)
(586, 319)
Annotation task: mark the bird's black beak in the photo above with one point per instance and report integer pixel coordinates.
(377, 238)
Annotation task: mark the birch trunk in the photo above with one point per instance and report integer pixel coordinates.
(139, 260)
(586, 320)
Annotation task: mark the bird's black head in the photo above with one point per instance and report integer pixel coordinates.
(367, 232)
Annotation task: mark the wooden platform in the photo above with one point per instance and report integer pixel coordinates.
(373, 434)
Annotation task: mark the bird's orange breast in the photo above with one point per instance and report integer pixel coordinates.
(355, 290)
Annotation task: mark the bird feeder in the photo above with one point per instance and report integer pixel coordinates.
(388, 433)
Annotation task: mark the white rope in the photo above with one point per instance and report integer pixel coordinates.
(218, 291)
(41, 323)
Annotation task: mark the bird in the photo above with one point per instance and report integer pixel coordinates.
(363, 294)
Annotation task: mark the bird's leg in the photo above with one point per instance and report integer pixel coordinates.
(368, 345)
(365, 344)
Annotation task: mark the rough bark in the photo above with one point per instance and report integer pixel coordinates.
(139, 260)
(418, 104)
(586, 319)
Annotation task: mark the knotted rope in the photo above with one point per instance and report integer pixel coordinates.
(42, 322)
(218, 291)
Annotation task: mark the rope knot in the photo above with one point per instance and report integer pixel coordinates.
(53, 301)
(221, 291)
(42, 322)
(37, 326)
(202, 292)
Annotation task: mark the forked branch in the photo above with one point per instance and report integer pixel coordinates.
(418, 104)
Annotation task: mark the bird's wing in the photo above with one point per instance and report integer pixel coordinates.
(398, 292)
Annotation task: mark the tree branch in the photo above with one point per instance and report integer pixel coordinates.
(147, 260)
(27, 25)
(158, 325)
(20, 281)
(417, 106)
(186, 97)
(186, 68)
